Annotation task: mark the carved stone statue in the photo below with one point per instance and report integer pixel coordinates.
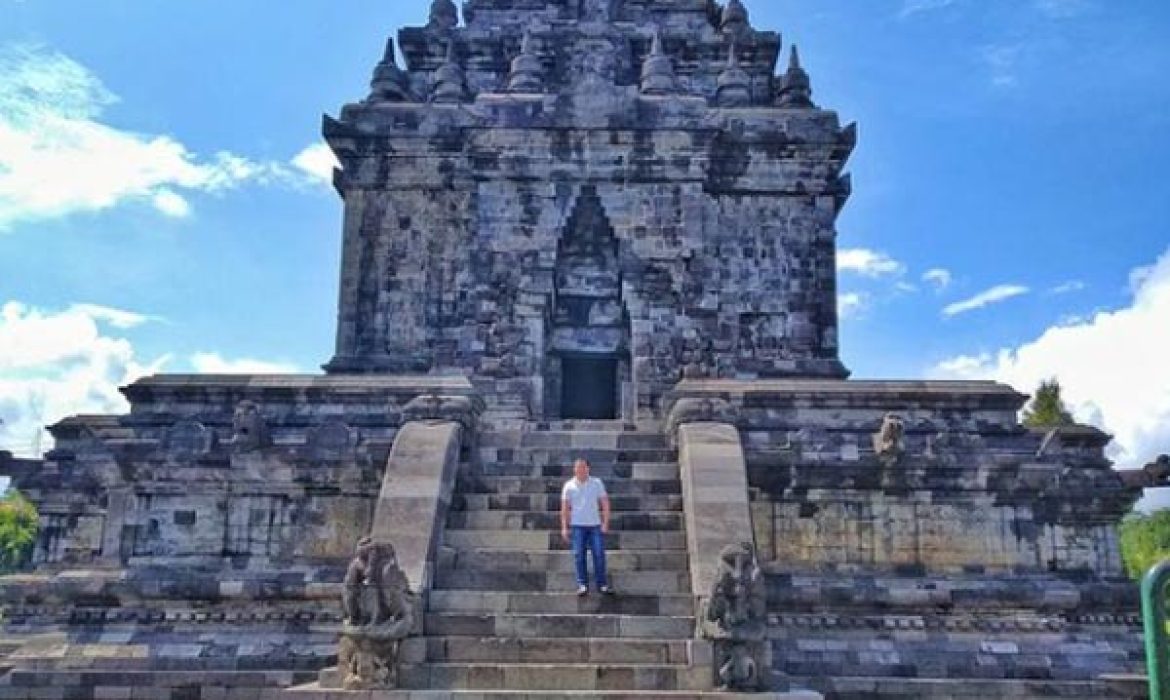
(889, 441)
(249, 429)
(1158, 472)
(380, 611)
(735, 617)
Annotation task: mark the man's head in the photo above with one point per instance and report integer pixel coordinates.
(581, 469)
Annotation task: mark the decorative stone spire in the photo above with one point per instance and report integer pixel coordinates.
(527, 71)
(795, 86)
(734, 86)
(444, 15)
(735, 18)
(658, 70)
(450, 84)
(390, 83)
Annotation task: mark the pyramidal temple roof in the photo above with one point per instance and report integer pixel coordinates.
(555, 46)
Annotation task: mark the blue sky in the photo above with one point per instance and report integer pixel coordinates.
(160, 218)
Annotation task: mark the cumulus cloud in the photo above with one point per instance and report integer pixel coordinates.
(317, 162)
(939, 278)
(851, 304)
(868, 263)
(54, 364)
(1112, 366)
(64, 362)
(995, 295)
(58, 157)
(214, 363)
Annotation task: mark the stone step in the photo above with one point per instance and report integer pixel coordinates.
(559, 626)
(597, 457)
(626, 582)
(635, 470)
(562, 561)
(960, 689)
(556, 676)
(35, 683)
(601, 438)
(524, 603)
(536, 540)
(314, 691)
(466, 483)
(560, 650)
(545, 520)
(185, 655)
(552, 502)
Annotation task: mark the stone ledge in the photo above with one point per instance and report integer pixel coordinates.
(827, 393)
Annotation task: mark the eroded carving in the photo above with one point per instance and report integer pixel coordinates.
(889, 442)
(460, 409)
(698, 411)
(333, 439)
(380, 611)
(1158, 472)
(249, 429)
(189, 439)
(734, 616)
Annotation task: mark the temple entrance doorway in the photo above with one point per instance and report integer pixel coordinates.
(587, 366)
(589, 388)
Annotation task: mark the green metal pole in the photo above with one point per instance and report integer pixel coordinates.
(1154, 620)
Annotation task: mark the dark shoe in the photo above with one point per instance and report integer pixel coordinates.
(582, 591)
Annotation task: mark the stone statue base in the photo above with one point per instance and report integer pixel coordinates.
(367, 657)
(741, 665)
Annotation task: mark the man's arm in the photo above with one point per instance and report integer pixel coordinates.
(605, 512)
(565, 509)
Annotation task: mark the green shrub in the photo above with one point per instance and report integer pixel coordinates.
(1145, 541)
(18, 530)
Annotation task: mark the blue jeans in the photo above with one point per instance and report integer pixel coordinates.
(589, 538)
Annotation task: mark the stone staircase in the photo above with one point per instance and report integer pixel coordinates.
(504, 613)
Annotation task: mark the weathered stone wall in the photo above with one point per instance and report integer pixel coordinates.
(458, 210)
(977, 550)
(180, 481)
(971, 491)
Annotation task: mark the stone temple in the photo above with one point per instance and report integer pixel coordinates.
(576, 228)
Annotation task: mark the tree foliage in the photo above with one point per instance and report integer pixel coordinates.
(1145, 541)
(18, 530)
(1047, 409)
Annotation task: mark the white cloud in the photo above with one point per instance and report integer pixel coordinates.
(938, 277)
(118, 318)
(317, 162)
(914, 7)
(172, 204)
(57, 156)
(869, 263)
(55, 364)
(1068, 287)
(214, 363)
(1112, 367)
(59, 363)
(995, 295)
(851, 304)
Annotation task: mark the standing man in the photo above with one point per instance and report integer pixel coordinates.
(584, 522)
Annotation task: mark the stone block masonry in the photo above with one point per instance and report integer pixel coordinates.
(579, 228)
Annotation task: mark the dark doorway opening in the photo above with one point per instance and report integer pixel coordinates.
(589, 388)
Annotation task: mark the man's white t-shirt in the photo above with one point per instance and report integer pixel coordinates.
(584, 501)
